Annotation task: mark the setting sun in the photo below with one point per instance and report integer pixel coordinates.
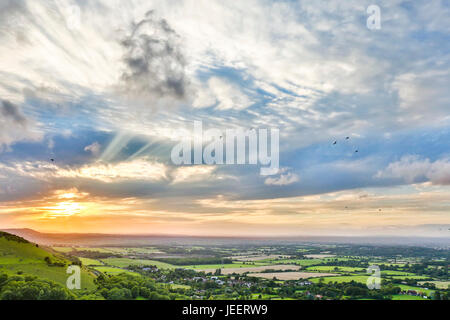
(63, 209)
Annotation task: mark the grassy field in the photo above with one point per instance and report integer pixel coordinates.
(396, 273)
(299, 262)
(12, 252)
(410, 277)
(406, 297)
(90, 262)
(289, 275)
(63, 249)
(335, 269)
(258, 257)
(101, 250)
(180, 286)
(439, 284)
(305, 262)
(339, 279)
(319, 256)
(125, 262)
(27, 259)
(111, 271)
(112, 250)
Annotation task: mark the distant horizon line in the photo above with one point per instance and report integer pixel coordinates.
(269, 237)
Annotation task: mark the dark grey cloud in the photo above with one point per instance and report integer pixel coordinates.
(155, 64)
(10, 111)
(15, 125)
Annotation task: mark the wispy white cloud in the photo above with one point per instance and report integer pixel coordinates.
(138, 169)
(413, 169)
(283, 179)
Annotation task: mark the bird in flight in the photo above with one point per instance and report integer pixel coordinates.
(347, 138)
(356, 151)
(334, 142)
(52, 160)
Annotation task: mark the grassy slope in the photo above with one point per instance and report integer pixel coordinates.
(125, 262)
(28, 259)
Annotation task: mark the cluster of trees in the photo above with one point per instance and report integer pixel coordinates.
(119, 287)
(354, 263)
(95, 254)
(339, 291)
(54, 263)
(434, 269)
(391, 251)
(195, 261)
(31, 288)
(126, 287)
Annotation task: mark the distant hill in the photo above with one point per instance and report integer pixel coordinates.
(28, 234)
(12, 237)
(19, 256)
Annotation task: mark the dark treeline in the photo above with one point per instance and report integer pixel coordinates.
(194, 261)
(391, 252)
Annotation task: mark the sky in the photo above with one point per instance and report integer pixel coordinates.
(94, 93)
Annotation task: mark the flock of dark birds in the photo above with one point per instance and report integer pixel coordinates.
(346, 138)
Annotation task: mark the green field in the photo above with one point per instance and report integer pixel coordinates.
(125, 262)
(111, 271)
(339, 279)
(406, 297)
(299, 262)
(12, 252)
(439, 284)
(180, 286)
(410, 277)
(112, 250)
(335, 269)
(63, 249)
(304, 262)
(396, 273)
(90, 262)
(101, 250)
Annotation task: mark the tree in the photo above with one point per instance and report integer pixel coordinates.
(135, 292)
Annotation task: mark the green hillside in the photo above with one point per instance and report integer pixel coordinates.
(20, 257)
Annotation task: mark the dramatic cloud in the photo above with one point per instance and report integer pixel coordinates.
(77, 74)
(14, 126)
(154, 60)
(12, 112)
